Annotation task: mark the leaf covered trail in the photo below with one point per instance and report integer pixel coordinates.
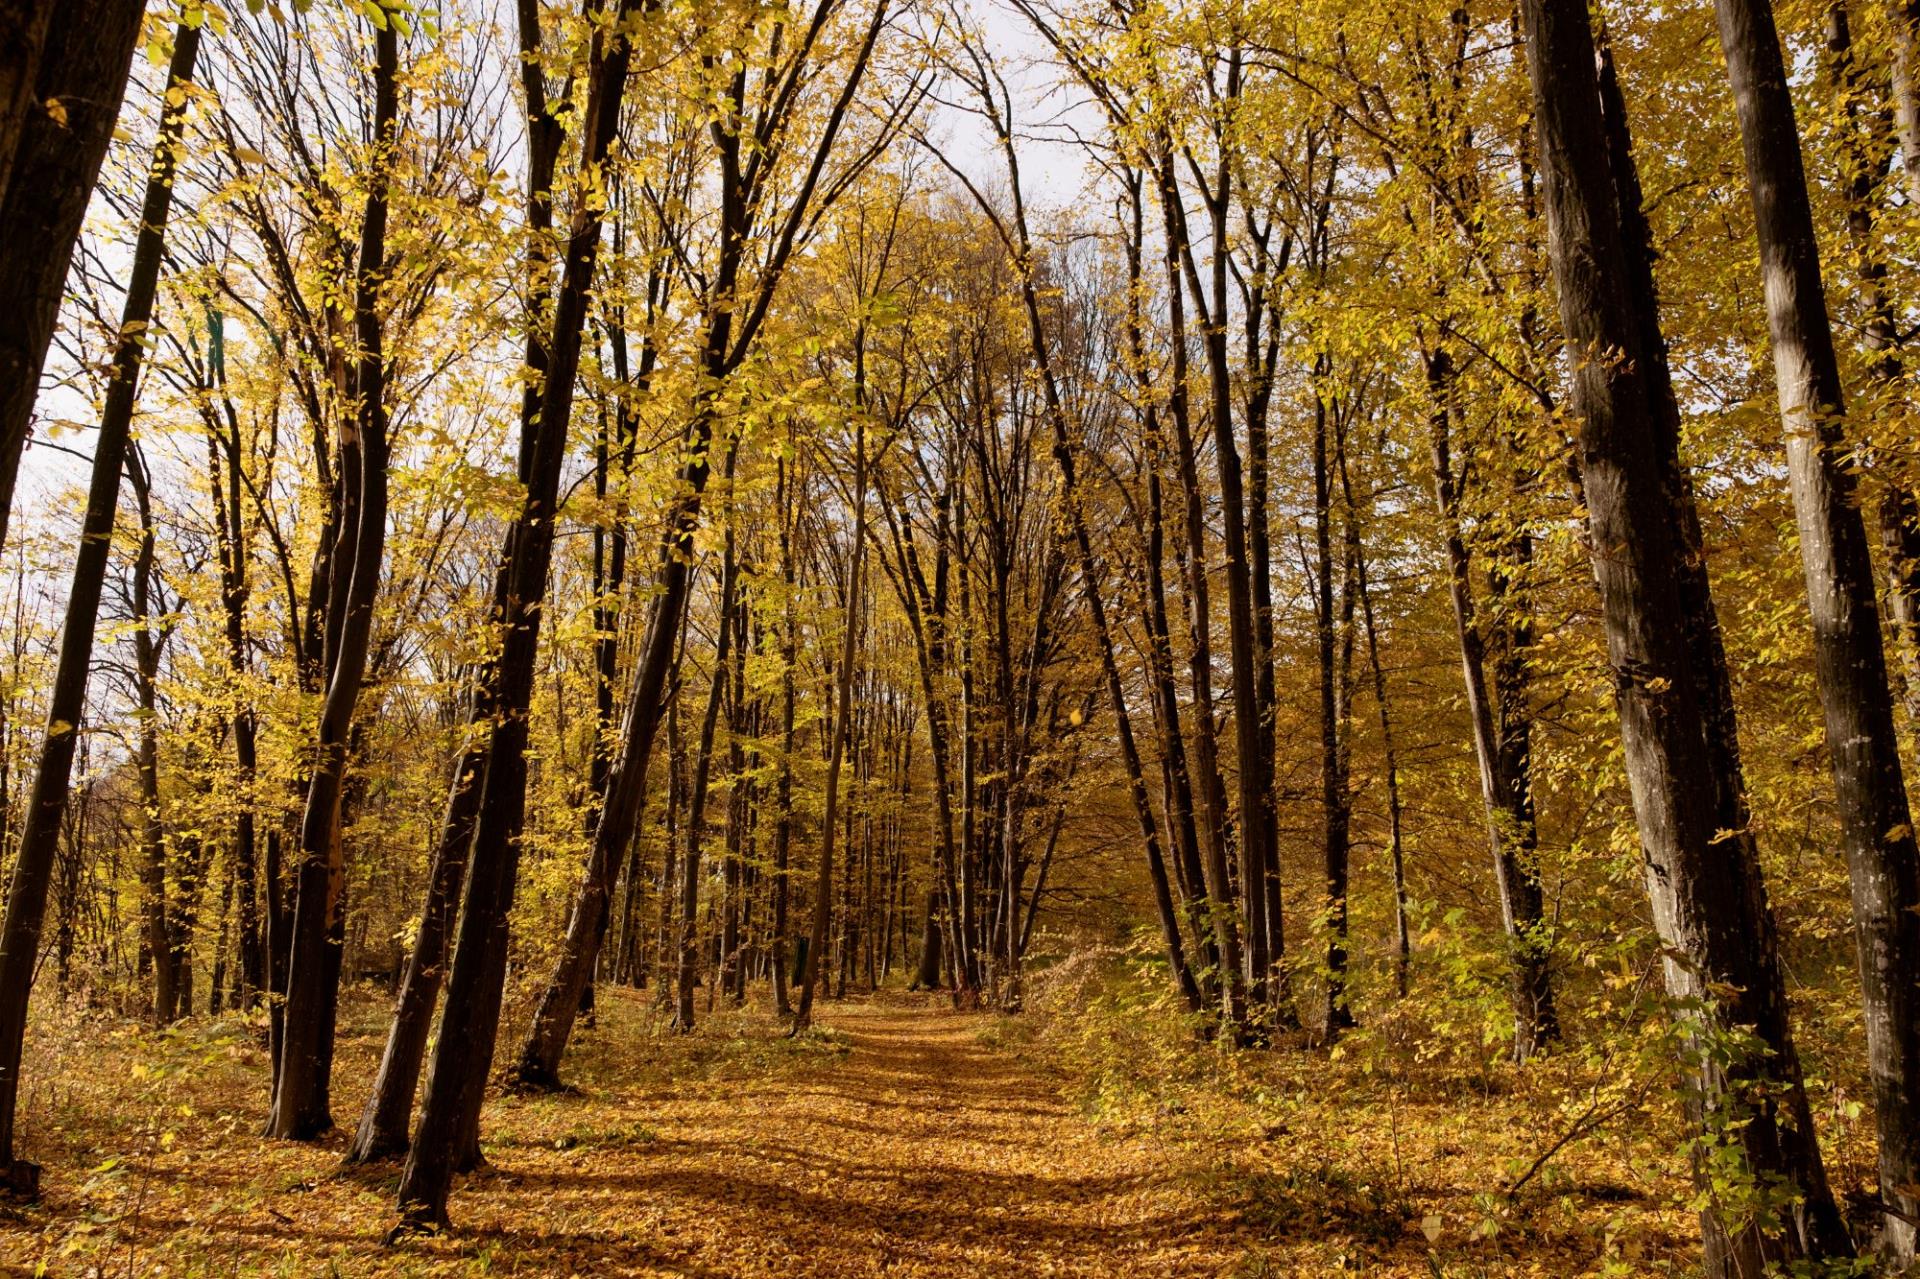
(898, 1141)
(924, 1152)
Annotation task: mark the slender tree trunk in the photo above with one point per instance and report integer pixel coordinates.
(463, 1055)
(225, 485)
(302, 1106)
(843, 711)
(1505, 791)
(1177, 780)
(784, 499)
(1225, 932)
(1402, 939)
(47, 801)
(686, 972)
(1335, 812)
(1091, 580)
(158, 933)
(1883, 858)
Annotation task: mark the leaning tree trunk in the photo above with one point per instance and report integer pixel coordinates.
(383, 1129)
(47, 801)
(83, 66)
(1883, 858)
(23, 36)
(1709, 902)
(456, 1083)
(382, 1133)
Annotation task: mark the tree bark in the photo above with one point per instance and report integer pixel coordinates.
(1709, 902)
(83, 66)
(1505, 787)
(837, 748)
(456, 1083)
(302, 1106)
(383, 1130)
(47, 801)
(1223, 929)
(23, 36)
(1883, 859)
(686, 972)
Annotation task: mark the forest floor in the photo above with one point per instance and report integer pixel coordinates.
(901, 1139)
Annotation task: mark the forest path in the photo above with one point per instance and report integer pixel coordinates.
(925, 1151)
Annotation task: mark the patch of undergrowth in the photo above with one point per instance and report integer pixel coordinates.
(1319, 1200)
(1412, 1141)
(598, 1137)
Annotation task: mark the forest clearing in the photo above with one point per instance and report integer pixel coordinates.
(960, 637)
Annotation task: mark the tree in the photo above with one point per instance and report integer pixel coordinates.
(47, 801)
(1883, 857)
(1708, 898)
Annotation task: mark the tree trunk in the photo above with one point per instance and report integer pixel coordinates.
(383, 1130)
(47, 801)
(1223, 929)
(1709, 903)
(83, 65)
(1883, 859)
(686, 974)
(23, 35)
(1505, 787)
(456, 1082)
(1335, 806)
(224, 486)
(157, 933)
(302, 1106)
(836, 751)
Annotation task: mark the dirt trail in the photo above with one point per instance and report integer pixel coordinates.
(924, 1153)
(918, 1150)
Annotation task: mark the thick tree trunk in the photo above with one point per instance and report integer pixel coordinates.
(23, 35)
(1883, 858)
(47, 801)
(84, 60)
(1709, 903)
